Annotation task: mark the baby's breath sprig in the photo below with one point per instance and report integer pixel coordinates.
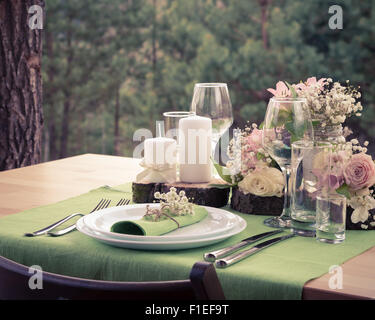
(171, 204)
(332, 102)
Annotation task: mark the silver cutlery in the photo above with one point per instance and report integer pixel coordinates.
(236, 257)
(73, 226)
(214, 255)
(56, 224)
(52, 226)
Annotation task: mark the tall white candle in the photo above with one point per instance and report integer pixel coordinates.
(160, 151)
(195, 149)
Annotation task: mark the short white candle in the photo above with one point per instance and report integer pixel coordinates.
(160, 151)
(195, 149)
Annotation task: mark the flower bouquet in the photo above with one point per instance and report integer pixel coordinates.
(353, 175)
(257, 182)
(352, 170)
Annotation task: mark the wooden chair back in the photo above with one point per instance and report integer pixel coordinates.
(203, 284)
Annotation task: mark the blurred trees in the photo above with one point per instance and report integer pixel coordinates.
(112, 67)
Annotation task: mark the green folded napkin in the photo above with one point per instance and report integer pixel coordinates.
(145, 227)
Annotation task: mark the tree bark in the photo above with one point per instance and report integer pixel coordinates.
(21, 114)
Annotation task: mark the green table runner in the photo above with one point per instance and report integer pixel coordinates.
(279, 272)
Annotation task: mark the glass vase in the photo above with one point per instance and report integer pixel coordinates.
(332, 133)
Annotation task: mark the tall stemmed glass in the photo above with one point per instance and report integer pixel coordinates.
(212, 100)
(287, 120)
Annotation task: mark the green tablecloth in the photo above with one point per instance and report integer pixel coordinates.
(279, 272)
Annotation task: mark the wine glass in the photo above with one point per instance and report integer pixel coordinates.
(212, 100)
(287, 120)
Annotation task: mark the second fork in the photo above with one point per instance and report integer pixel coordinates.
(102, 205)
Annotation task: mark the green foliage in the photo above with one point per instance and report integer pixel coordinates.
(151, 52)
(221, 172)
(344, 190)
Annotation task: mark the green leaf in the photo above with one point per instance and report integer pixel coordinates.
(315, 123)
(344, 190)
(292, 90)
(260, 156)
(220, 171)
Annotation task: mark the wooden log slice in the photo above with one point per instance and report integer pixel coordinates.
(201, 193)
(144, 192)
(252, 204)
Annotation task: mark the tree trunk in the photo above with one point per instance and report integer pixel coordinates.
(21, 114)
(264, 4)
(64, 138)
(52, 147)
(154, 57)
(117, 128)
(65, 129)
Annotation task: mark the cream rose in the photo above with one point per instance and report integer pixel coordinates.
(264, 182)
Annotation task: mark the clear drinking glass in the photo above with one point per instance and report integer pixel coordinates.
(311, 163)
(287, 120)
(171, 127)
(171, 120)
(212, 100)
(330, 218)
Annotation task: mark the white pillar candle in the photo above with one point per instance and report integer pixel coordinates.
(195, 149)
(160, 151)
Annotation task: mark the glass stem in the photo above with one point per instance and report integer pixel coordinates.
(286, 172)
(213, 170)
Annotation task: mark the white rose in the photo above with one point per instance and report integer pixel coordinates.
(360, 214)
(264, 182)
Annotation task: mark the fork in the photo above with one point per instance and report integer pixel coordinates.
(56, 224)
(73, 226)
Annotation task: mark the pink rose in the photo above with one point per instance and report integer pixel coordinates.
(359, 173)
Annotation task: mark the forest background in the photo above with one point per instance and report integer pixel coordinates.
(112, 67)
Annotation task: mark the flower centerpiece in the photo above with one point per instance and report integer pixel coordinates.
(352, 174)
(330, 104)
(352, 169)
(257, 182)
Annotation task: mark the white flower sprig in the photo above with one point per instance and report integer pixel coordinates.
(330, 101)
(171, 204)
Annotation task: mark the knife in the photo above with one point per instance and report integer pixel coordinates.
(228, 261)
(212, 256)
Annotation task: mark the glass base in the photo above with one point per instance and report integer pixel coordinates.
(336, 241)
(278, 222)
(304, 233)
(328, 237)
(304, 229)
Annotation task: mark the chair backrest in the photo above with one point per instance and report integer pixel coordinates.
(14, 284)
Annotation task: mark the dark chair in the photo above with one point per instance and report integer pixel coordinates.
(14, 284)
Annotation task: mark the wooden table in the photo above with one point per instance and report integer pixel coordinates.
(49, 182)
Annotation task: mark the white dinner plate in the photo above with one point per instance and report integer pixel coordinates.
(160, 245)
(218, 221)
